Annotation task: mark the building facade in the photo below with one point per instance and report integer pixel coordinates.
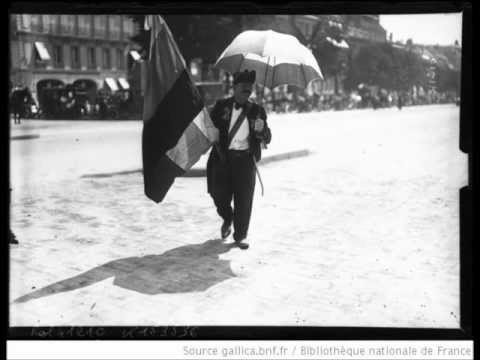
(69, 48)
(359, 29)
(364, 28)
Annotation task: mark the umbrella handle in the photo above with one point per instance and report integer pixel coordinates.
(264, 146)
(265, 79)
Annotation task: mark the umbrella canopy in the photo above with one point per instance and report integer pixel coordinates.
(277, 58)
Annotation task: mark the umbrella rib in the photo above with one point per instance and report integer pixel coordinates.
(241, 63)
(304, 77)
(273, 72)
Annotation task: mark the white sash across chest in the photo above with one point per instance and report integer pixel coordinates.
(240, 140)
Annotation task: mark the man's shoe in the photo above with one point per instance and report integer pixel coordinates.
(242, 245)
(226, 229)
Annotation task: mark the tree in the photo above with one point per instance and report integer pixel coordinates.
(388, 67)
(326, 42)
(197, 36)
(412, 70)
(372, 66)
(259, 22)
(448, 80)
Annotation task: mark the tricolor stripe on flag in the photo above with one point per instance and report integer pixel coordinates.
(177, 129)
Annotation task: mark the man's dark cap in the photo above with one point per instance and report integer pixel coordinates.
(244, 77)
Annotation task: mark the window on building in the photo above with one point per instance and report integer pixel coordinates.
(26, 22)
(72, 19)
(58, 56)
(46, 27)
(100, 25)
(45, 24)
(63, 23)
(106, 59)
(26, 54)
(84, 25)
(54, 23)
(75, 57)
(127, 27)
(91, 58)
(114, 27)
(120, 59)
(67, 24)
(36, 23)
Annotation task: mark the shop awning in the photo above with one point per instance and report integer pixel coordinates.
(135, 55)
(112, 84)
(42, 51)
(124, 83)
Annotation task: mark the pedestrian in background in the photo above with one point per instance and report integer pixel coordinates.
(11, 236)
(20, 101)
(400, 101)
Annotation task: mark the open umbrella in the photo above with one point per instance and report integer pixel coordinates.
(277, 58)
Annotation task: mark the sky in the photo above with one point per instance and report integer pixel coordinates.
(428, 29)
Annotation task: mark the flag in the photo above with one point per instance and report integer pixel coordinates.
(177, 128)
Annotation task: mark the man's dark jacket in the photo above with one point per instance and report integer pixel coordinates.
(221, 115)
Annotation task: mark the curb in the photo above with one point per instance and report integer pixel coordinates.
(104, 175)
(25, 137)
(202, 172)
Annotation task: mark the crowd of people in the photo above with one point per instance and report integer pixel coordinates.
(281, 101)
(22, 103)
(68, 103)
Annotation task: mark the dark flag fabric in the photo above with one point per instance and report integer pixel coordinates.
(177, 128)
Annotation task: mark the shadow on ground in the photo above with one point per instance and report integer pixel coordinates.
(189, 268)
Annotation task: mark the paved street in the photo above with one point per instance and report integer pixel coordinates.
(71, 149)
(363, 232)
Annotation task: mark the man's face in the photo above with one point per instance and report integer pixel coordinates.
(242, 92)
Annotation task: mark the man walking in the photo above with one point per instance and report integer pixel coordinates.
(16, 103)
(231, 167)
(11, 236)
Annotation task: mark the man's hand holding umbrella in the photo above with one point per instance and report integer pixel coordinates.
(259, 125)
